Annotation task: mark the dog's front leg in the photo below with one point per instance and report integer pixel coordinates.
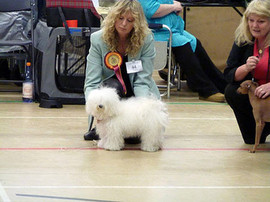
(259, 129)
(101, 142)
(114, 142)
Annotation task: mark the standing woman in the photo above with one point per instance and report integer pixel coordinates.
(124, 41)
(250, 59)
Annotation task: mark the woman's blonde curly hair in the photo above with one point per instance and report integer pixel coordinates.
(242, 33)
(137, 34)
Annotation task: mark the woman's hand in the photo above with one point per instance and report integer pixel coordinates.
(243, 70)
(177, 7)
(263, 91)
(251, 63)
(165, 9)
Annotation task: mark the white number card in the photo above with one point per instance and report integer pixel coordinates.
(134, 66)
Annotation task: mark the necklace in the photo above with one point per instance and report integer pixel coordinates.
(260, 46)
(261, 49)
(260, 52)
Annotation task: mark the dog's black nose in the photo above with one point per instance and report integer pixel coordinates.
(100, 106)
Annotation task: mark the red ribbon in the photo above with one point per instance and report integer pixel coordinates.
(116, 67)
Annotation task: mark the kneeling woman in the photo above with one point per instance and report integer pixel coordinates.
(250, 58)
(121, 55)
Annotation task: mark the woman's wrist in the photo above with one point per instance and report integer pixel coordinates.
(246, 69)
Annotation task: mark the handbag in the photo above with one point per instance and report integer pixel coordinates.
(80, 10)
(82, 13)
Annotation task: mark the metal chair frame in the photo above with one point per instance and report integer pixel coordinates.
(165, 57)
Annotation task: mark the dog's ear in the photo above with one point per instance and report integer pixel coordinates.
(88, 107)
(90, 101)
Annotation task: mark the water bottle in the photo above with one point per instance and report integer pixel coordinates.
(28, 84)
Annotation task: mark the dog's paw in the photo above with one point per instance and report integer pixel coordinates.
(100, 144)
(112, 147)
(252, 151)
(95, 143)
(150, 149)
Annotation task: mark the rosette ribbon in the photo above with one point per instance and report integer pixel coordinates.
(113, 61)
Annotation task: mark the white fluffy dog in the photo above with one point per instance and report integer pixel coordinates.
(134, 117)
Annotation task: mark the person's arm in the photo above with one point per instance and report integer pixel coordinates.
(154, 9)
(237, 68)
(165, 9)
(243, 70)
(93, 74)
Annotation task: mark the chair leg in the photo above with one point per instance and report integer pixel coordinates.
(179, 78)
(174, 74)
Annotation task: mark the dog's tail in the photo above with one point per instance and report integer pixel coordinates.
(160, 111)
(164, 113)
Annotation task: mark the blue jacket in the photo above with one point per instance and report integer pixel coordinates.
(180, 37)
(96, 71)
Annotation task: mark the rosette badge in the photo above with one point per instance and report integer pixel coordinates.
(113, 61)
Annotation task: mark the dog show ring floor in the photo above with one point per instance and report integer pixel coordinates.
(44, 158)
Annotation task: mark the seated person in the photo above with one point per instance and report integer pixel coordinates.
(125, 37)
(250, 59)
(201, 73)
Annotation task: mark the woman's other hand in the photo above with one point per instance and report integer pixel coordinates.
(177, 7)
(263, 91)
(251, 63)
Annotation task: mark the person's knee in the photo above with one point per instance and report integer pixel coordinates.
(230, 93)
(234, 98)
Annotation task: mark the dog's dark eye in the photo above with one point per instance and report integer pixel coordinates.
(100, 106)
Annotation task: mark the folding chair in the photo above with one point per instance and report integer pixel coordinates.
(164, 58)
(18, 43)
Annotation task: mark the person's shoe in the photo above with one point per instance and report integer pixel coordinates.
(217, 97)
(133, 140)
(91, 135)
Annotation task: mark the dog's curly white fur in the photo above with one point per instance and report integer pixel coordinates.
(134, 117)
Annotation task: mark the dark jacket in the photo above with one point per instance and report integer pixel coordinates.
(238, 56)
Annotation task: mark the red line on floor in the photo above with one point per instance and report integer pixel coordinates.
(164, 149)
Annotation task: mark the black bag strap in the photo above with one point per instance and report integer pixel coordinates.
(88, 19)
(67, 29)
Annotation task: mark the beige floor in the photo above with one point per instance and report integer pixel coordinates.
(43, 157)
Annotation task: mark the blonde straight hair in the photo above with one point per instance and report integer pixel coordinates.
(242, 33)
(137, 34)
